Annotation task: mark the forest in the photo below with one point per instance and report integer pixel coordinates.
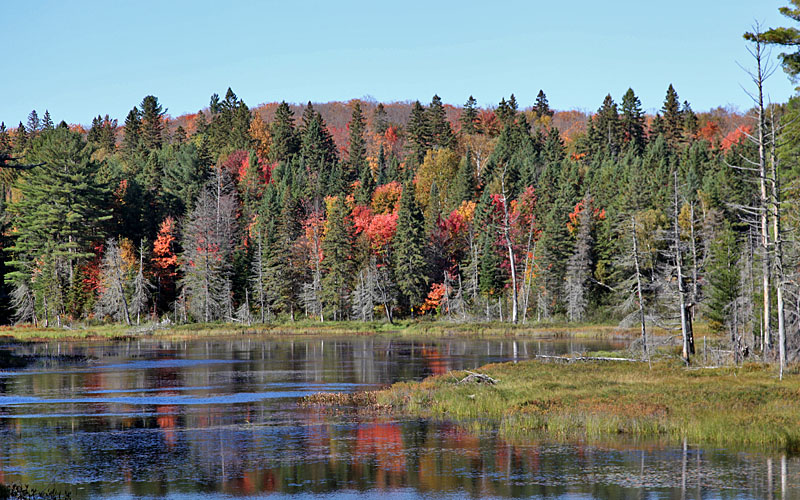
(376, 211)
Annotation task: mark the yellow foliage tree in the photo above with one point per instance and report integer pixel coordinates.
(440, 166)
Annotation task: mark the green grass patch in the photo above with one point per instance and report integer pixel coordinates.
(736, 407)
(420, 328)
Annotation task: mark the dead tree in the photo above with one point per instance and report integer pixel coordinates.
(684, 309)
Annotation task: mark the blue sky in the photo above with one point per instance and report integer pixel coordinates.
(83, 58)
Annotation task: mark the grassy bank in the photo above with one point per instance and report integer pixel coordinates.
(410, 328)
(744, 406)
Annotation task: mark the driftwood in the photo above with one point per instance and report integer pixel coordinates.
(588, 358)
(477, 378)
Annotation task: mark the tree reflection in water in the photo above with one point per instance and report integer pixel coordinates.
(154, 418)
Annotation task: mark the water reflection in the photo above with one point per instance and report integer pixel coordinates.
(219, 418)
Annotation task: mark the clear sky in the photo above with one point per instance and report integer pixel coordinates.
(83, 58)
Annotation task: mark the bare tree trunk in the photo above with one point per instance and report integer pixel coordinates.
(510, 248)
(763, 207)
(261, 275)
(694, 296)
(778, 243)
(639, 288)
(685, 328)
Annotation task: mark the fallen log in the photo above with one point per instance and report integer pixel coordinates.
(588, 358)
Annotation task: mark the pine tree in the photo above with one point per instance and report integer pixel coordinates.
(490, 275)
(5, 139)
(47, 122)
(418, 132)
(633, 127)
(34, 125)
(357, 147)
(463, 187)
(469, 117)
(270, 267)
(284, 139)
(380, 120)
(671, 125)
(723, 279)
(180, 136)
(541, 107)
(408, 250)
(606, 136)
(555, 242)
(337, 260)
(132, 140)
(152, 126)
(60, 212)
(20, 139)
(689, 121)
(439, 131)
(318, 152)
(229, 129)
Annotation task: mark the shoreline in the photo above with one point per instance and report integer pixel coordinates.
(424, 328)
(745, 406)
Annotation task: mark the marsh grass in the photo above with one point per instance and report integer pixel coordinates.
(739, 407)
(424, 328)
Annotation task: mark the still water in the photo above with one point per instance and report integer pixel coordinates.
(219, 419)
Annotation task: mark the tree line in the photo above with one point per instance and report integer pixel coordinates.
(495, 215)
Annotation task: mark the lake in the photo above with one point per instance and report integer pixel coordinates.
(219, 419)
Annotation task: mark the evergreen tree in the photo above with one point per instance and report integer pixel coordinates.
(787, 37)
(183, 176)
(418, 132)
(34, 125)
(5, 140)
(463, 187)
(47, 122)
(633, 126)
(439, 131)
(318, 152)
(383, 168)
(20, 139)
(366, 186)
(132, 139)
(229, 129)
(284, 139)
(337, 260)
(541, 107)
(308, 115)
(59, 214)
(469, 117)
(606, 132)
(490, 275)
(380, 120)
(408, 250)
(507, 110)
(152, 126)
(723, 278)
(271, 269)
(690, 123)
(180, 136)
(671, 123)
(357, 147)
(555, 241)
